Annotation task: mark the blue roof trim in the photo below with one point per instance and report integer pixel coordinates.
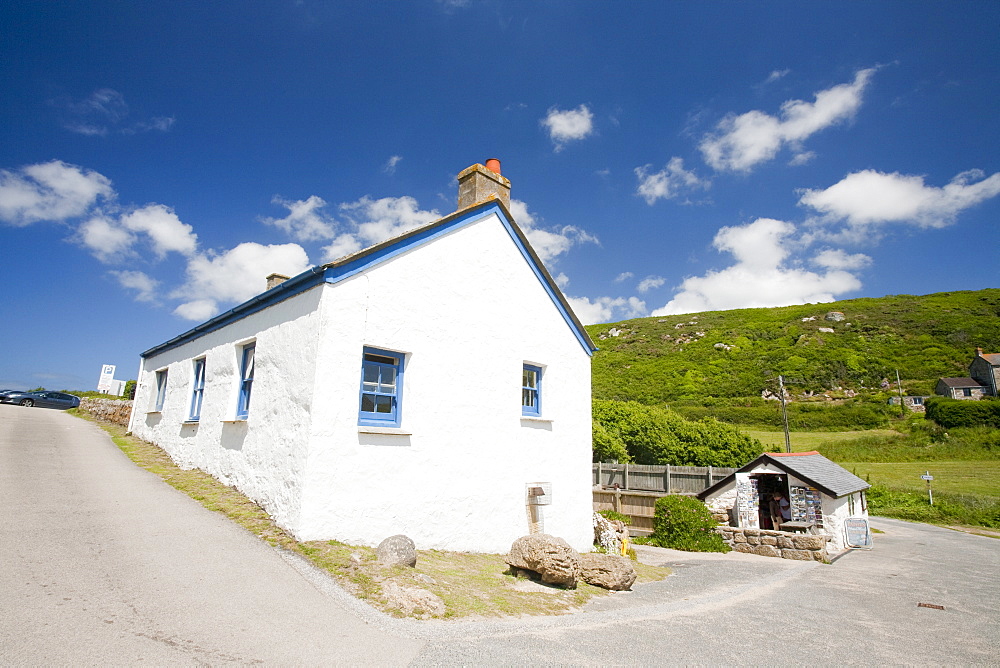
(357, 263)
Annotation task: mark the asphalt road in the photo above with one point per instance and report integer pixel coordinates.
(103, 563)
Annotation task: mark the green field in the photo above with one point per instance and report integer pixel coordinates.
(804, 441)
(981, 478)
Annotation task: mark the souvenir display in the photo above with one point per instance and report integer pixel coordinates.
(748, 501)
(806, 505)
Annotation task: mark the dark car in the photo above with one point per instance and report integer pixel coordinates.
(45, 399)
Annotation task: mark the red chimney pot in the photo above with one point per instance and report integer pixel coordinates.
(493, 165)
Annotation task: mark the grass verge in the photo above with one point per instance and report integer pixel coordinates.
(470, 585)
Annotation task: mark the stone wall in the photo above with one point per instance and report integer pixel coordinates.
(767, 543)
(112, 410)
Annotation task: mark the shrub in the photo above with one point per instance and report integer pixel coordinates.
(608, 446)
(684, 523)
(654, 435)
(951, 413)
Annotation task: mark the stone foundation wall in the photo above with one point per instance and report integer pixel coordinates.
(767, 543)
(112, 410)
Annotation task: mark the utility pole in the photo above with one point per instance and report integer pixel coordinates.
(784, 413)
(899, 386)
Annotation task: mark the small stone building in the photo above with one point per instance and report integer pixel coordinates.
(911, 402)
(985, 368)
(961, 388)
(821, 495)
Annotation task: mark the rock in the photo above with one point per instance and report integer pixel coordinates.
(397, 550)
(808, 542)
(768, 540)
(820, 555)
(426, 579)
(743, 547)
(785, 542)
(800, 555)
(552, 558)
(834, 316)
(739, 537)
(607, 534)
(753, 540)
(412, 600)
(765, 551)
(355, 560)
(609, 571)
(826, 330)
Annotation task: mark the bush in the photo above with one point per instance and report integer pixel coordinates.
(654, 435)
(615, 516)
(608, 446)
(684, 523)
(951, 413)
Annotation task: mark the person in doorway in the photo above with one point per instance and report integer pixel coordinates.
(779, 509)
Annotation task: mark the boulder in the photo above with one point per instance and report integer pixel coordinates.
(607, 534)
(397, 550)
(799, 555)
(609, 571)
(809, 542)
(765, 551)
(412, 600)
(552, 558)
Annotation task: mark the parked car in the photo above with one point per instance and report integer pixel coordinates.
(44, 399)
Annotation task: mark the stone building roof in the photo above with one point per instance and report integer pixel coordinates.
(809, 467)
(961, 382)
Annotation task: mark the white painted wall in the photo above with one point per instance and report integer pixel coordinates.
(265, 456)
(468, 312)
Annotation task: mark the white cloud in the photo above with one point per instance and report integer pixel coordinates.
(562, 280)
(53, 191)
(650, 283)
(606, 309)
(144, 285)
(234, 276)
(744, 141)
(669, 182)
(549, 243)
(568, 125)
(835, 258)
(775, 75)
(868, 198)
(305, 221)
(624, 276)
(105, 238)
(165, 230)
(380, 219)
(105, 111)
(760, 277)
(390, 165)
(803, 158)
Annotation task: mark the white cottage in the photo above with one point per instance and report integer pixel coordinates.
(821, 494)
(436, 384)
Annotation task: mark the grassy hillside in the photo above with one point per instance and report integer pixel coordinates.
(729, 354)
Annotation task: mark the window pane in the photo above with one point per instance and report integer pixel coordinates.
(528, 398)
(383, 404)
(388, 385)
(529, 378)
(371, 377)
(381, 359)
(248, 363)
(368, 403)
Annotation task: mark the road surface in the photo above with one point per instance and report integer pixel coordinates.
(103, 563)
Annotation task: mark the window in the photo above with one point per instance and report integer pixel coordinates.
(246, 381)
(381, 388)
(161, 389)
(918, 401)
(967, 392)
(197, 390)
(531, 384)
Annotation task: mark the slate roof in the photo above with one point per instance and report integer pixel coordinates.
(961, 382)
(992, 358)
(809, 467)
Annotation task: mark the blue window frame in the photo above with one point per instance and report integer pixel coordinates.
(161, 389)
(381, 388)
(531, 390)
(197, 390)
(246, 380)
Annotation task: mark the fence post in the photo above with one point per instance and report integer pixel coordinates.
(617, 503)
(600, 472)
(626, 475)
(666, 481)
(710, 480)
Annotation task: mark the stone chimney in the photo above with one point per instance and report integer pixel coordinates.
(479, 182)
(979, 352)
(274, 280)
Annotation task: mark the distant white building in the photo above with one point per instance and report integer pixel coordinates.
(436, 385)
(107, 383)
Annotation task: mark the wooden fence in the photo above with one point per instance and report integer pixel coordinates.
(659, 478)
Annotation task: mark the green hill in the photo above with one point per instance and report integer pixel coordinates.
(740, 353)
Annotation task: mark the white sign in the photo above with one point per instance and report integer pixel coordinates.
(107, 375)
(927, 476)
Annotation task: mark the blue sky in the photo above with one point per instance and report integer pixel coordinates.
(158, 160)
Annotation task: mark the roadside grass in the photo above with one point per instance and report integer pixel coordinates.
(471, 585)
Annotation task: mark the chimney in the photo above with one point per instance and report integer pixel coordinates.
(274, 280)
(979, 352)
(478, 183)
